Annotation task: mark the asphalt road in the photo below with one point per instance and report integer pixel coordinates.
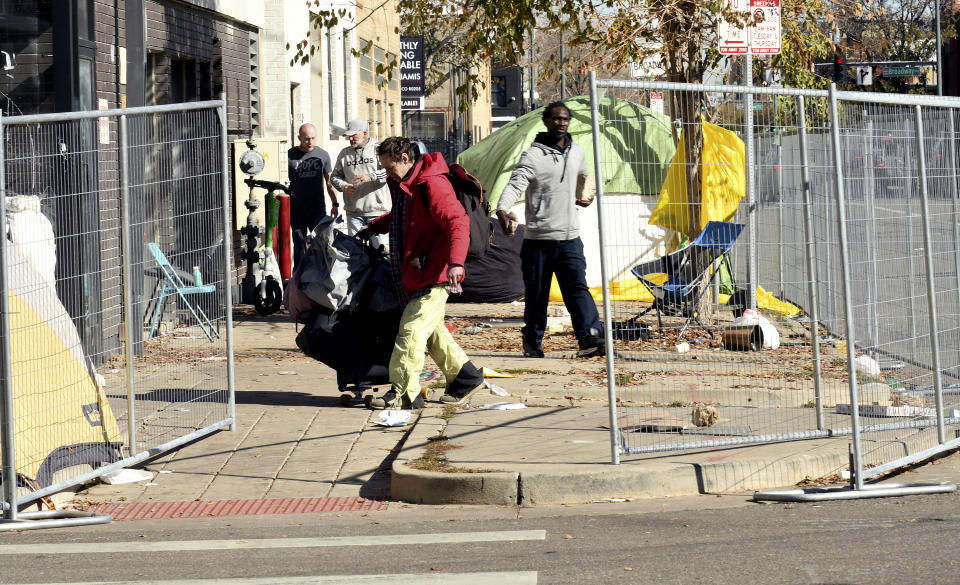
(705, 539)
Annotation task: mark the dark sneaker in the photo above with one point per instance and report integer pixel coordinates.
(459, 397)
(531, 350)
(592, 348)
(392, 401)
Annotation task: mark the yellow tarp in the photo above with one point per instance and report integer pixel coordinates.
(61, 417)
(56, 403)
(722, 184)
(633, 290)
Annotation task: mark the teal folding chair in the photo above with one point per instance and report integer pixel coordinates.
(173, 285)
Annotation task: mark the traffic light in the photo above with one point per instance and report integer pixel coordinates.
(837, 68)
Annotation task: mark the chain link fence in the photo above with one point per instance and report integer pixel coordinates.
(837, 230)
(116, 329)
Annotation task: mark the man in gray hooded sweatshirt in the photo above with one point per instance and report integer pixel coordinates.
(363, 181)
(551, 172)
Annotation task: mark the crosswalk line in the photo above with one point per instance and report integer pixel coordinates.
(142, 546)
(504, 578)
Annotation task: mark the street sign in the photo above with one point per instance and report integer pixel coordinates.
(650, 66)
(733, 40)
(765, 32)
(656, 101)
(864, 75)
(909, 71)
(760, 38)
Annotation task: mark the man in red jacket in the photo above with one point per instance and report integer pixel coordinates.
(429, 235)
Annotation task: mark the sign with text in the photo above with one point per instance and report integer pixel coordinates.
(908, 71)
(412, 79)
(733, 39)
(411, 103)
(656, 101)
(762, 37)
(765, 32)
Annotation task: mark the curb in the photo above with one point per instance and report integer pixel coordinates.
(566, 484)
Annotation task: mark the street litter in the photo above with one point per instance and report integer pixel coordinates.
(867, 365)
(491, 373)
(473, 330)
(122, 476)
(494, 389)
(502, 406)
(612, 500)
(215, 358)
(287, 373)
(427, 376)
(771, 337)
(393, 418)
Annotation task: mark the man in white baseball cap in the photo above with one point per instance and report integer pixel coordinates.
(362, 180)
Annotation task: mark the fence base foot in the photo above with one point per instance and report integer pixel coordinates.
(847, 493)
(53, 519)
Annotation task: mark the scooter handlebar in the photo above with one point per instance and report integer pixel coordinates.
(268, 185)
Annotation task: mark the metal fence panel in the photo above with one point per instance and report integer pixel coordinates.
(111, 358)
(696, 387)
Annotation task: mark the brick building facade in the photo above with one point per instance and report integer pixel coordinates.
(75, 55)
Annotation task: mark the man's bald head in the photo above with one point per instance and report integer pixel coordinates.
(308, 137)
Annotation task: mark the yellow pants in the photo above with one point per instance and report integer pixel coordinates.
(422, 329)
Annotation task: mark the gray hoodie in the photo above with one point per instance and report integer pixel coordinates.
(370, 198)
(548, 176)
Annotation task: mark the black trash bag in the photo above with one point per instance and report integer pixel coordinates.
(633, 329)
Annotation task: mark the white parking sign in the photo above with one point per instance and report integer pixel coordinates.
(765, 32)
(733, 40)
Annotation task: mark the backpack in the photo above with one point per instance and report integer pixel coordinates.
(470, 194)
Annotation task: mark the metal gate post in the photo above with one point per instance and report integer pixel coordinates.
(607, 329)
(856, 474)
(809, 238)
(7, 449)
(870, 200)
(126, 259)
(955, 193)
(753, 277)
(227, 260)
(931, 285)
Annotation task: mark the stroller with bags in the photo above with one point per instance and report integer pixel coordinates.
(342, 291)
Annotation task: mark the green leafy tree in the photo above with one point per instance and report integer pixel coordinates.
(612, 33)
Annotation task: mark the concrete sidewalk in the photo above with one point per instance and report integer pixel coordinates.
(294, 442)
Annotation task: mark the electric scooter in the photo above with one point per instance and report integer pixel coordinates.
(267, 294)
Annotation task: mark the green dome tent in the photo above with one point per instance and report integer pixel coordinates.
(636, 150)
(636, 146)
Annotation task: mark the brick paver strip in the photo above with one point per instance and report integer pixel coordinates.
(197, 509)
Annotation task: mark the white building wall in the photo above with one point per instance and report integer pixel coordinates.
(299, 93)
(275, 70)
(323, 91)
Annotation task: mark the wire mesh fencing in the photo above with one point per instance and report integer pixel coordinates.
(806, 259)
(116, 333)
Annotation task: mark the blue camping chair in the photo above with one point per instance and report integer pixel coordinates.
(688, 274)
(171, 284)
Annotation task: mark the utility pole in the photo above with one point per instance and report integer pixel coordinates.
(533, 38)
(563, 71)
(936, 5)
